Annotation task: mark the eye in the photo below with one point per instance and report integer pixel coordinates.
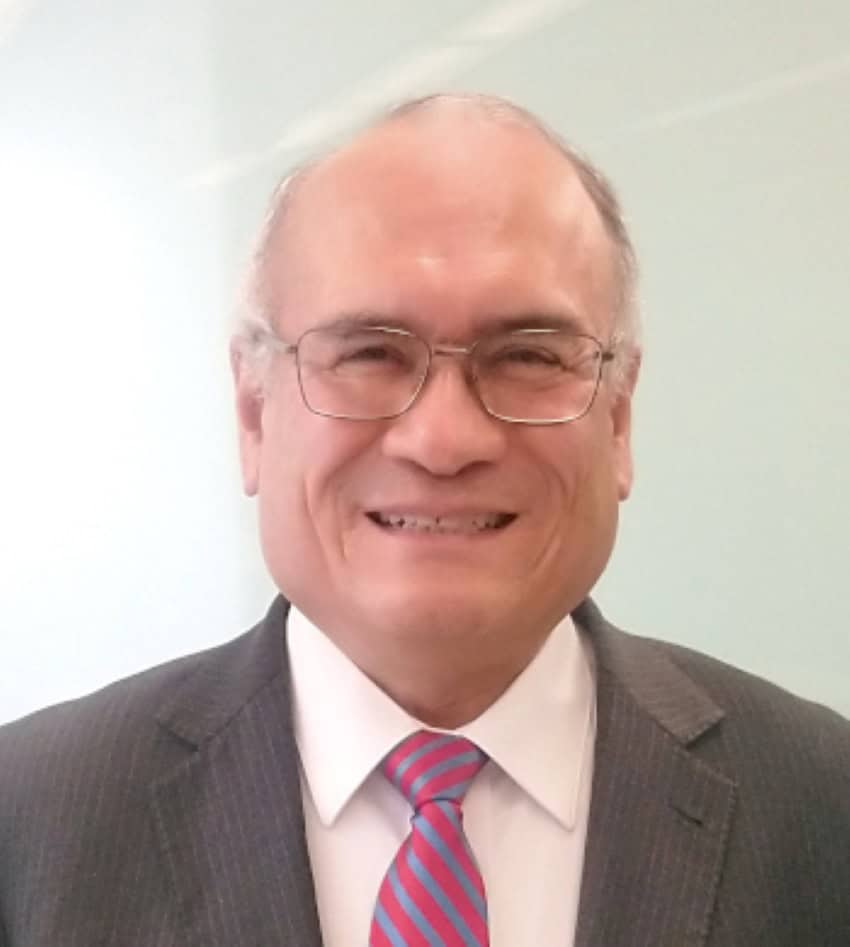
(528, 355)
(370, 353)
(522, 360)
(372, 356)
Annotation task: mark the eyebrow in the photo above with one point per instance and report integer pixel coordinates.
(565, 321)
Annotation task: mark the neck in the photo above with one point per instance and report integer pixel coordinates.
(444, 669)
(449, 707)
(446, 691)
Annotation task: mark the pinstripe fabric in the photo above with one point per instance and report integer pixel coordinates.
(165, 810)
(433, 893)
(720, 812)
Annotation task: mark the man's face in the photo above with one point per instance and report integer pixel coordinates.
(449, 232)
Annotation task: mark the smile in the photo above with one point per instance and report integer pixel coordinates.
(454, 523)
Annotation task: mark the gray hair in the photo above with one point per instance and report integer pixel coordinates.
(254, 316)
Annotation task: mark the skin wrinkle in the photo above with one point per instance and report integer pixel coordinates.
(445, 157)
(442, 624)
(474, 110)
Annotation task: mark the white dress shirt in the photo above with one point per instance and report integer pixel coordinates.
(525, 814)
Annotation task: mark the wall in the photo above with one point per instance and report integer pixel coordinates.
(138, 144)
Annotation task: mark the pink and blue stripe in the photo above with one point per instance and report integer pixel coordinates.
(433, 894)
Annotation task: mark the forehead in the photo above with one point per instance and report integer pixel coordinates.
(452, 213)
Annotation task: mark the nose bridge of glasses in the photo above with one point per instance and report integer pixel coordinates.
(455, 351)
(459, 353)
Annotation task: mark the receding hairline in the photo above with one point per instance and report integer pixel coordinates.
(472, 107)
(484, 108)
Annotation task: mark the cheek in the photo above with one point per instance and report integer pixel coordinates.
(284, 471)
(590, 521)
(584, 482)
(309, 473)
(296, 528)
(574, 456)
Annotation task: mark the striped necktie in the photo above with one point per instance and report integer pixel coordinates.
(432, 894)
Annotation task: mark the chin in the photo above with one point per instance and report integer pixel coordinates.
(441, 608)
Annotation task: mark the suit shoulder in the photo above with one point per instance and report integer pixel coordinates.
(749, 727)
(118, 704)
(737, 689)
(78, 781)
(131, 729)
(680, 686)
(767, 721)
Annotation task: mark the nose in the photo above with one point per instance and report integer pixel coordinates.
(446, 429)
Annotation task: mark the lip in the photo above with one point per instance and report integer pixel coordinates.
(434, 507)
(457, 522)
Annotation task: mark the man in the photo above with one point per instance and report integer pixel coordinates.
(440, 740)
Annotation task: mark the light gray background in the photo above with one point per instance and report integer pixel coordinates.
(138, 144)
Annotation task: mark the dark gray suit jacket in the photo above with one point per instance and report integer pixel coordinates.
(165, 810)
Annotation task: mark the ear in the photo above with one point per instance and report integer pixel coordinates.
(621, 421)
(249, 416)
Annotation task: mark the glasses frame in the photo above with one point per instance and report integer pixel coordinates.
(603, 355)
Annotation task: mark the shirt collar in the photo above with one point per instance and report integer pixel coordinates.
(340, 715)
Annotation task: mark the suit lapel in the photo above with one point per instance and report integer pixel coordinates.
(230, 823)
(659, 816)
(229, 817)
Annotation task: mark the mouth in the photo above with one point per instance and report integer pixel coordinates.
(455, 523)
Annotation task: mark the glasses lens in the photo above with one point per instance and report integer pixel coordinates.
(360, 372)
(538, 375)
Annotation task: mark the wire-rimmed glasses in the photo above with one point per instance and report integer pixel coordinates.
(374, 372)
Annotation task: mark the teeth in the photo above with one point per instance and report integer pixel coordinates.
(443, 524)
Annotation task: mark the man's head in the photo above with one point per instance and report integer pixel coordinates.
(451, 218)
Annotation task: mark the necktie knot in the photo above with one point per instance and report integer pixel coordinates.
(433, 892)
(429, 767)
